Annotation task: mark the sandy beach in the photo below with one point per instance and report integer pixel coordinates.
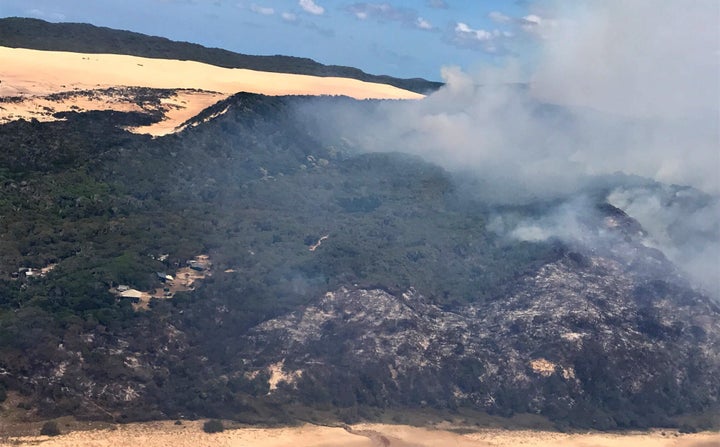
(190, 434)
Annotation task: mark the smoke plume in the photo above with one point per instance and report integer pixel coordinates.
(612, 87)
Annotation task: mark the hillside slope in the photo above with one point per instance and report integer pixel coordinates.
(335, 281)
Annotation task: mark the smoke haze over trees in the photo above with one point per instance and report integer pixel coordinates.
(615, 88)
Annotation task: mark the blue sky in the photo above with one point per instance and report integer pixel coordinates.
(395, 37)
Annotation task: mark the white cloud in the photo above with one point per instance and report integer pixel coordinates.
(511, 33)
(380, 11)
(423, 24)
(532, 18)
(262, 10)
(311, 7)
(475, 34)
(493, 41)
(385, 12)
(288, 16)
(533, 24)
(499, 17)
(51, 16)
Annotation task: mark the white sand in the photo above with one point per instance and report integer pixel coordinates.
(24, 71)
(180, 107)
(34, 74)
(190, 434)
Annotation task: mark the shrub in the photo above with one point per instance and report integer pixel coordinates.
(24, 406)
(213, 426)
(50, 428)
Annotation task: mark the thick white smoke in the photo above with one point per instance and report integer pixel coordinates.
(657, 62)
(614, 87)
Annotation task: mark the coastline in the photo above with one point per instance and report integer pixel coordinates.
(190, 433)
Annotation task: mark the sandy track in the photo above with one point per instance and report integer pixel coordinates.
(190, 434)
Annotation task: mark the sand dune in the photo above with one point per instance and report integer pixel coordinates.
(178, 107)
(30, 76)
(26, 71)
(190, 434)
